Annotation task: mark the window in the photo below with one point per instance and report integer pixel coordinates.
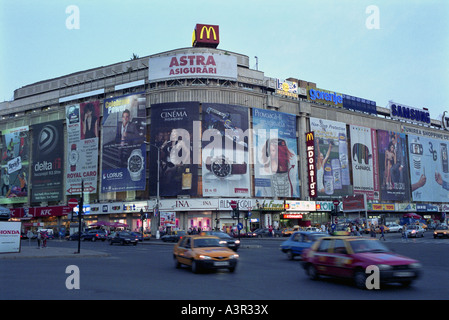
(324, 245)
(340, 247)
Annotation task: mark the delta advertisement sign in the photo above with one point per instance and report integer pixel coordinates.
(192, 65)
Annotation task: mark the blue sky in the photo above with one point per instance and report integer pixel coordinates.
(327, 42)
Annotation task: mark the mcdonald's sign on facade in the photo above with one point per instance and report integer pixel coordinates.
(205, 35)
(311, 169)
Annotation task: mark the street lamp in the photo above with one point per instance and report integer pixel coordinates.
(155, 221)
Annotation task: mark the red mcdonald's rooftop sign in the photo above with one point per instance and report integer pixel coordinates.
(205, 35)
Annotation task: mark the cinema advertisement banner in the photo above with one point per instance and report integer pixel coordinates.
(82, 147)
(429, 169)
(332, 159)
(393, 166)
(47, 170)
(365, 169)
(123, 148)
(275, 154)
(225, 157)
(202, 65)
(15, 165)
(172, 131)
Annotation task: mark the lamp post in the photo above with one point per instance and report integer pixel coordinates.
(155, 221)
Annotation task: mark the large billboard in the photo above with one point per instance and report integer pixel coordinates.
(124, 149)
(225, 158)
(393, 166)
(15, 165)
(332, 159)
(429, 169)
(201, 65)
(275, 154)
(47, 170)
(365, 169)
(172, 132)
(82, 144)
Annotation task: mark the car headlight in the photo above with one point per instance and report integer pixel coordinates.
(237, 241)
(234, 256)
(222, 242)
(415, 265)
(384, 267)
(203, 257)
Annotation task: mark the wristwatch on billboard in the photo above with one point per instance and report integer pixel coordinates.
(221, 167)
(135, 164)
(73, 157)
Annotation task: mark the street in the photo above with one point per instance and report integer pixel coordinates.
(147, 271)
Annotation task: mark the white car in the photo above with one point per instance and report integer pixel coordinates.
(394, 227)
(415, 231)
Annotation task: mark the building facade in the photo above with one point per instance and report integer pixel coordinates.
(178, 135)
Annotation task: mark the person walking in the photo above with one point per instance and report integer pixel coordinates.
(39, 239)
(382, 234)
(404, 232)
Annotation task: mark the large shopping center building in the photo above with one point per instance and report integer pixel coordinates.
(283, 149)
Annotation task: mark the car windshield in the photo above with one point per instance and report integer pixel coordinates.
(125, 234)
(412, 227)
(443, 228)
(316, 236)
(364, 245)
(206, 242)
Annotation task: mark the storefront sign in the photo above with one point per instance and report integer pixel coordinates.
(292, 216)
(188, 204)
(324, 96)
(269, 205)
(403, 112)
(287, 88)
(301, 205)
(244, 204)
(381, 207)
(425, 207)
(38, 212)
(400, 207)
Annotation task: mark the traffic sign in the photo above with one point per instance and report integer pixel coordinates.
(336, 202)
(233, 204)
(72, 203)
(240, 226)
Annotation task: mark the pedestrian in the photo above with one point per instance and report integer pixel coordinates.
(44, 239)
(404, 232)
(382, 234)
(372, 231)
(39, 237)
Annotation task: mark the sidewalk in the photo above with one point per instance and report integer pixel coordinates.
(27, 252)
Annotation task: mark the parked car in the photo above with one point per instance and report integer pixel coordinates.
(349, 257)
(442, 231)
(204, 252)
(394, 227)
(174, 237)
(415, 231)
(73, 236)
(299, 241)
(265, 232)
(225, 239)
(94, 235)
(123, 237)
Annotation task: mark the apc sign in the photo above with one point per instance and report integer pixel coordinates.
(205, 35)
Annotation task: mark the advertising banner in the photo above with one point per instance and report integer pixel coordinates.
(15, 165)
(202, 65)
(365, 168)
(393, 166)
(332, 160)
(47, 171)
(10, 237)
(275, 154)
(225, 159)
(82, 144)
(172, 132)
(123, 149)
(429, 169)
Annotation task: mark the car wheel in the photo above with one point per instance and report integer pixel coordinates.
(360, 279)
(312, 272)
(232, 269)
(195, 267)
(177, 264)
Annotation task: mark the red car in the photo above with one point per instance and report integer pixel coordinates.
(349, 257)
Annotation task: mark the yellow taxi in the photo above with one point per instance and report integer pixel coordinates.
(287, 232)
(204, 252)
(442, 231)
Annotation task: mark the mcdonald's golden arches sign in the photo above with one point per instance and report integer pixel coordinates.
(205, 35)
